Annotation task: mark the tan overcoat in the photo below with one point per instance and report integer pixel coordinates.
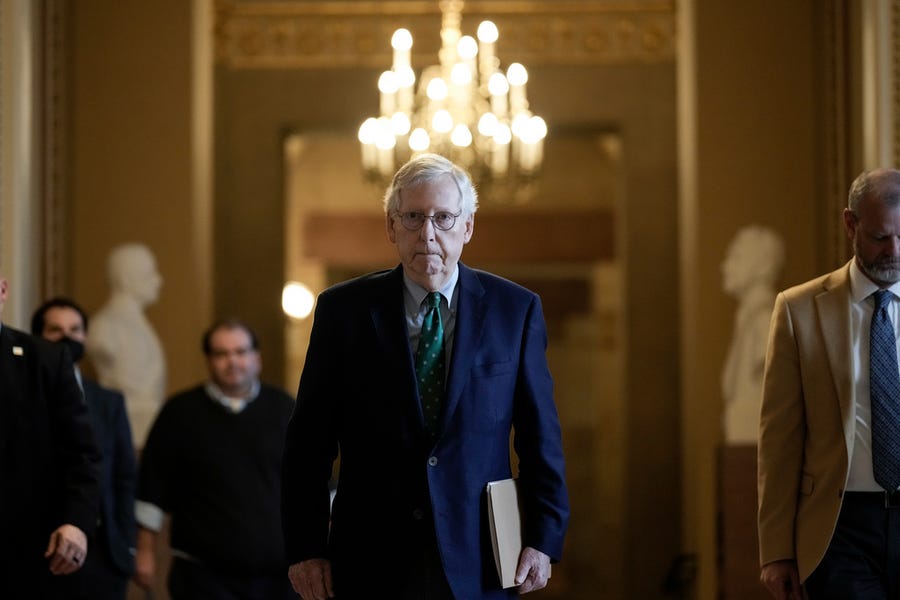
(806, 421)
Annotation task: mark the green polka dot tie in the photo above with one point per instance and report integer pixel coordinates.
(430, 363)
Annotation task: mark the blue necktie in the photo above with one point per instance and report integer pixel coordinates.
(884, 382)
(430, 363)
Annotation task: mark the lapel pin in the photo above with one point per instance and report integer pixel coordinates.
(17, 351)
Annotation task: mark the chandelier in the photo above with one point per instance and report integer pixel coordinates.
(465, 108)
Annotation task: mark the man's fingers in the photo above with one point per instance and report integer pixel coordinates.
(52, 544)
(66, 549)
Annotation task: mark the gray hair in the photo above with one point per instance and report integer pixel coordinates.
(884, 182)
(425, 168)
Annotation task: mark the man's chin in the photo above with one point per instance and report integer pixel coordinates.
(883, 276)
(428, 267)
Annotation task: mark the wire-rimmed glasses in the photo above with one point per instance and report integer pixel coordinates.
(442, 220)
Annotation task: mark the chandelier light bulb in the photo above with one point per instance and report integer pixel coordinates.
(460, 74)
(461, 136)
(402, 39)
(437, 89)
(503, 135)
(400, 124)
(488, 124)
(498, 85)
(367, 131)
(519, 123)
(406, 77)
(467, 47)
(536, 129)
(419, 140)
(487, 32)
(516, 74)
(387, 83)
(384, 134)
(442, 121)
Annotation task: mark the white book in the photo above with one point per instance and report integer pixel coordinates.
(504, 514)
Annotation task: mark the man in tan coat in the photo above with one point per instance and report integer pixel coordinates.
(824, 521)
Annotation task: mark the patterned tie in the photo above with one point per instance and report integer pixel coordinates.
(884, 382)
(430, 363)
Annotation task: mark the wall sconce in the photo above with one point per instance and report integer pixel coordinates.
(297, 300)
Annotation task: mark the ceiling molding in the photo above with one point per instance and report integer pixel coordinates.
(343, 34)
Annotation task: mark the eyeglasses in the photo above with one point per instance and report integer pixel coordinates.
(442, 220)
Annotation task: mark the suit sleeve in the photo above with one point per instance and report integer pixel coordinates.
(311, 445)
(538, 443)
(124, 470)
(782, 433)
(74, 445)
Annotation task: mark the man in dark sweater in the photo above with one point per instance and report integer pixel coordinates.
(213, 463)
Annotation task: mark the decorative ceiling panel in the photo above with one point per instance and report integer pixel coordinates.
(348, 34)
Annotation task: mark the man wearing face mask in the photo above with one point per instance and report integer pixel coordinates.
(108, 567)
(49, 467)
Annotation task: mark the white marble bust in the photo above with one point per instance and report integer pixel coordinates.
(122, 344)
(750, 270)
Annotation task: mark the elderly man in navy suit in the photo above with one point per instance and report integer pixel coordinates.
(107, 569)
(416, 377)
(49, 467)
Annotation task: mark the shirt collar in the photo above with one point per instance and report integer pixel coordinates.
(418, 293)
(234, 405)
(861, 287)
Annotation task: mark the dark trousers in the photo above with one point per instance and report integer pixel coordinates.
(99, 578)
(863, 559)
(190, 580)
(419, 574)
(426, 579)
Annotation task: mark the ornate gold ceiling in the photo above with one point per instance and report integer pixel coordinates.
(346, 34)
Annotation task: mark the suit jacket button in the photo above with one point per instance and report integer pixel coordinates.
(432, 461)
(418, 514)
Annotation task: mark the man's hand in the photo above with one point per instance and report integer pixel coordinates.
(145, 558)
(312, 579)
(782, 579)
(66, 550)
(533, 570)
(144, 568)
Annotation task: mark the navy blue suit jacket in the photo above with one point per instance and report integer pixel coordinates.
(49, 461)
(118, 475)
(358, 394)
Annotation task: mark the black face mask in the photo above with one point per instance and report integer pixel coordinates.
(76, 348)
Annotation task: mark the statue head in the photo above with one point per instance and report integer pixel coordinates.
(131, 269)
(754, 258)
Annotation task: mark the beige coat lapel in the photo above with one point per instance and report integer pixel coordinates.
(833, 307)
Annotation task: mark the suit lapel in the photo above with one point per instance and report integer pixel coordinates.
(388, 319)
(833, 307)
(470, 316)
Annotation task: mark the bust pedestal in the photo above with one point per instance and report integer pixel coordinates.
(738, 544)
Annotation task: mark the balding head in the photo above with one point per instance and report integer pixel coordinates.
(872, 223)
(882, 185)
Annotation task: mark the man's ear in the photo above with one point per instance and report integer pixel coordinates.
(389, 225)
(850, 222)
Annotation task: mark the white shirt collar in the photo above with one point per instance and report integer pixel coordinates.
(418, 293)
(861, 287)
(234, 405)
